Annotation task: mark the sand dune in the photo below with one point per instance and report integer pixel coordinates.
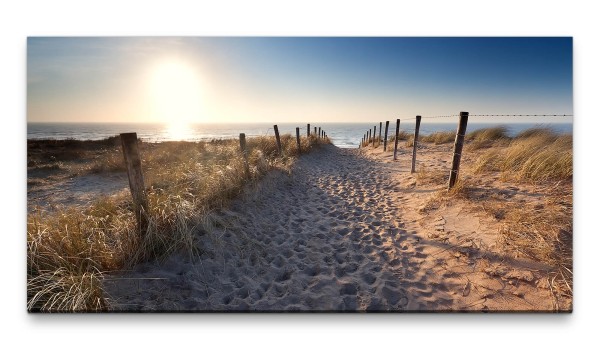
(342, 232)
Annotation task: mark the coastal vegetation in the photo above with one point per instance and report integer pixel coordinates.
(70, 248)
(541, 228)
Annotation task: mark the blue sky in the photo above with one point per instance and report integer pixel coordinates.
(265, 79)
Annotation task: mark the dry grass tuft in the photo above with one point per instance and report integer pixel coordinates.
(488, 134)
(488, 137)
(535, 155)
(536, 132)
(439, 137)
(63, 290)
(543, 232)
(68, 250)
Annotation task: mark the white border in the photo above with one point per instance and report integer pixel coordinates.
(313, 18)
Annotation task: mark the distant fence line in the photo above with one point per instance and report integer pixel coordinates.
(494, 115)
(461, 129)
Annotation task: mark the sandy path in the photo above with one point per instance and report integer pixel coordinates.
(345, 231)
(327, 237)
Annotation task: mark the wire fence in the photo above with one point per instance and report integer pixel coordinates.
(489, 115)
(373, 139)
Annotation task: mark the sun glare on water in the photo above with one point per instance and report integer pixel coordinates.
(176, 96)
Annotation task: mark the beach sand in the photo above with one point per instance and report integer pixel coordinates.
(346, 230)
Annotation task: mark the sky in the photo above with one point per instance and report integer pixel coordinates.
(293, 79)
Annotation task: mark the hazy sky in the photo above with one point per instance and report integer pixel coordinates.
(187, 79)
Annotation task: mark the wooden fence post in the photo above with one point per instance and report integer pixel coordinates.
(458, 146)
(136, 180)
(308, 130)
(397, 135)
(374, 134)
(415, 142)
(387, 124)
(244, 154)
(298, 138)
(379, 138)
(315, 131)
(369, 137)
(319, 134)
(278, 140)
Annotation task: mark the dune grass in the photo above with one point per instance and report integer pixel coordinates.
(73, 157)
(69, 250)
(487, 137)
(543, 230)
(488, 134)
(438, 137)
(535, 155)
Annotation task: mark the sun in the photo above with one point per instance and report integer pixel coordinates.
(175, 93)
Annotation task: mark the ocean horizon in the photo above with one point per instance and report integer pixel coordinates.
(344, 135)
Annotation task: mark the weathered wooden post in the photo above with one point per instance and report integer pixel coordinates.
(387, 124)
(374, 134)
(319, 134)
(278, 139)
(458, 146)
(298, 138)
(308, 130)
(397, 135)
(315, 131)
(244, 154)
(415, 142)
(136, 180)
(379, 138)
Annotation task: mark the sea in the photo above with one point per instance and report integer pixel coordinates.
(344, 135)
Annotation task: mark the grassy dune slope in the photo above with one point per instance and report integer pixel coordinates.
(69, 249)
